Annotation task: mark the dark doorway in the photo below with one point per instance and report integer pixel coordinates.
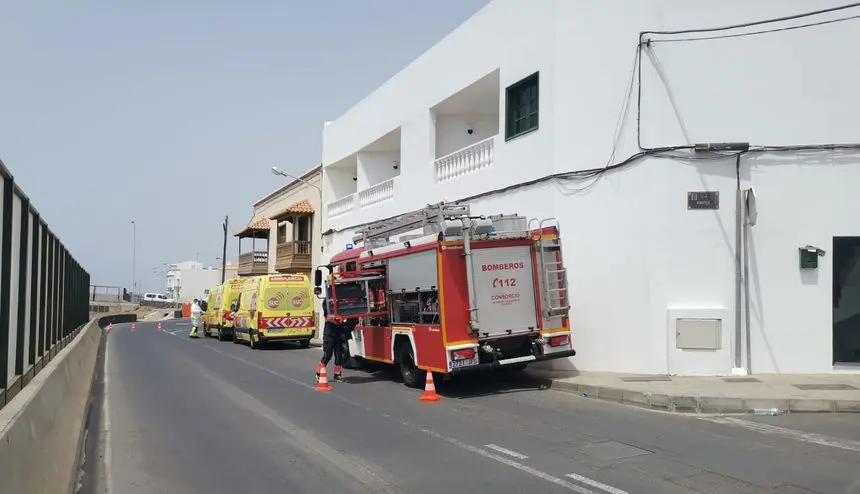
(846, 300)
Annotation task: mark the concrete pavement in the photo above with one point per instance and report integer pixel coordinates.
(190, 416)
(784, 392)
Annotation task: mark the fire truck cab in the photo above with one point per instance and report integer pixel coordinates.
(469, 293)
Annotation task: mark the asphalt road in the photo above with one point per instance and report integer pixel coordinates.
(175, 415)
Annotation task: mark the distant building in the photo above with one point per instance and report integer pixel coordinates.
(188, 280)
(284, 234)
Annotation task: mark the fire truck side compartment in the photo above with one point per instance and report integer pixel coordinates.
(505, 290)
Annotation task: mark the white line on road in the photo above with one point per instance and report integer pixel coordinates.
(506, 451)
(807, 437)
(106, 426)
(468, 447)
(511, 463)
(596, 484)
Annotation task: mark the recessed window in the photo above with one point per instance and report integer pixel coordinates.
(521, 112)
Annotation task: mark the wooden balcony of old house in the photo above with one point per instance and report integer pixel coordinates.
(294, 238)
(254, 262)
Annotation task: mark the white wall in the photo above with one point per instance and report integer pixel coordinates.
(377, 167)
(451, 131)
(339, 181)
(636, 254)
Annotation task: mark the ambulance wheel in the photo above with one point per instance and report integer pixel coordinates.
(305, 344)
(254, 345)
(406, 361)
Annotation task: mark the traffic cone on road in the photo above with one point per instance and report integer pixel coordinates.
(110, 328)
(429, 389)
(159, 327)
(322, 384)
(133, 328)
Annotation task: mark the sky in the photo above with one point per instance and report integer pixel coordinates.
(171, 113)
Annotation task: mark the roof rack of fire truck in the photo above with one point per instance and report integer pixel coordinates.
(431, 215)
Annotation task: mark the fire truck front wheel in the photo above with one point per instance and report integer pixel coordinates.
(412, 376)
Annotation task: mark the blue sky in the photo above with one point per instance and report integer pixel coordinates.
(172, 113)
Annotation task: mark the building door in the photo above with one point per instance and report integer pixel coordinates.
(846, 301)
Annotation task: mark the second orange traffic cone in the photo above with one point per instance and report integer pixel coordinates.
(322, 384)
(133, 328)
(429, 389)
(159, 327)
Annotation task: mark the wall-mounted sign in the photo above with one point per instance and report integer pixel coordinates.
(349, 246)
(703, 200)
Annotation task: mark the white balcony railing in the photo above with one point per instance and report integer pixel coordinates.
(464, 161)
(341, 206)
(375, 194)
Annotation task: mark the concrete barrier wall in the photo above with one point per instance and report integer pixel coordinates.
(41, 428)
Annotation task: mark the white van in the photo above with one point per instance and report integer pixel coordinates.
(157, 297)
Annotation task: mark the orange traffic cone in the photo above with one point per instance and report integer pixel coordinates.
(110, 327)
(159, 327)
(429, 389)
(133, 328)
(322, 384)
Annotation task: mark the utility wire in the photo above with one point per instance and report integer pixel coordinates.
(754, 23)
(756, 33)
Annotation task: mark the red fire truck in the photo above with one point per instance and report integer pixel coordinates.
(471, 292)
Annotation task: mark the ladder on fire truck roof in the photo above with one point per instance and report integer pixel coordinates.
(432, 214)
(553, 273)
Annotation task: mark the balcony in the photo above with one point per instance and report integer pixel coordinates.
(293, 256)
(254, 263)
(341, 206)
(465, 161)
(465, 127)
(375, 194)
(365, 178)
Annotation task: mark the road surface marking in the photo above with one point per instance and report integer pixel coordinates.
(807, 437)
(506, 451)
(511, 463)
(596, 484)
(468, 447)
(106, 426)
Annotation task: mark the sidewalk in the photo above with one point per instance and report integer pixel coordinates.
(768, 392)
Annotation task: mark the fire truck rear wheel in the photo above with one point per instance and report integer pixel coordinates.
(412, 376)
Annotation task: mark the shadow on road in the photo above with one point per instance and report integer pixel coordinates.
(490, 383)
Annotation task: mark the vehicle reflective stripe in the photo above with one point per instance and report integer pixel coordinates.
(290, 322)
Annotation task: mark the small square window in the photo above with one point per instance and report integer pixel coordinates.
(521, 108)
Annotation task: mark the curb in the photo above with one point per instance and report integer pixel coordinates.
(704, 404)
(316, 342)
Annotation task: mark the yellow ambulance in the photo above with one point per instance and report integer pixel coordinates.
(218, 320)
(275, 308)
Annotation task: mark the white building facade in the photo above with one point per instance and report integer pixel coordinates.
(511, 110)
(188, 280)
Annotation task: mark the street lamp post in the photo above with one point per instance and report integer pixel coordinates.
(133, 258)
(278, 171)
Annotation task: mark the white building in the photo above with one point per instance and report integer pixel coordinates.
(188, 280)
(511, 109)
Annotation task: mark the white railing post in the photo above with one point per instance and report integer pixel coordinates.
(464, 161)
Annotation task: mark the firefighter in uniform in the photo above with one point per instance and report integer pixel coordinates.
(335, 333)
